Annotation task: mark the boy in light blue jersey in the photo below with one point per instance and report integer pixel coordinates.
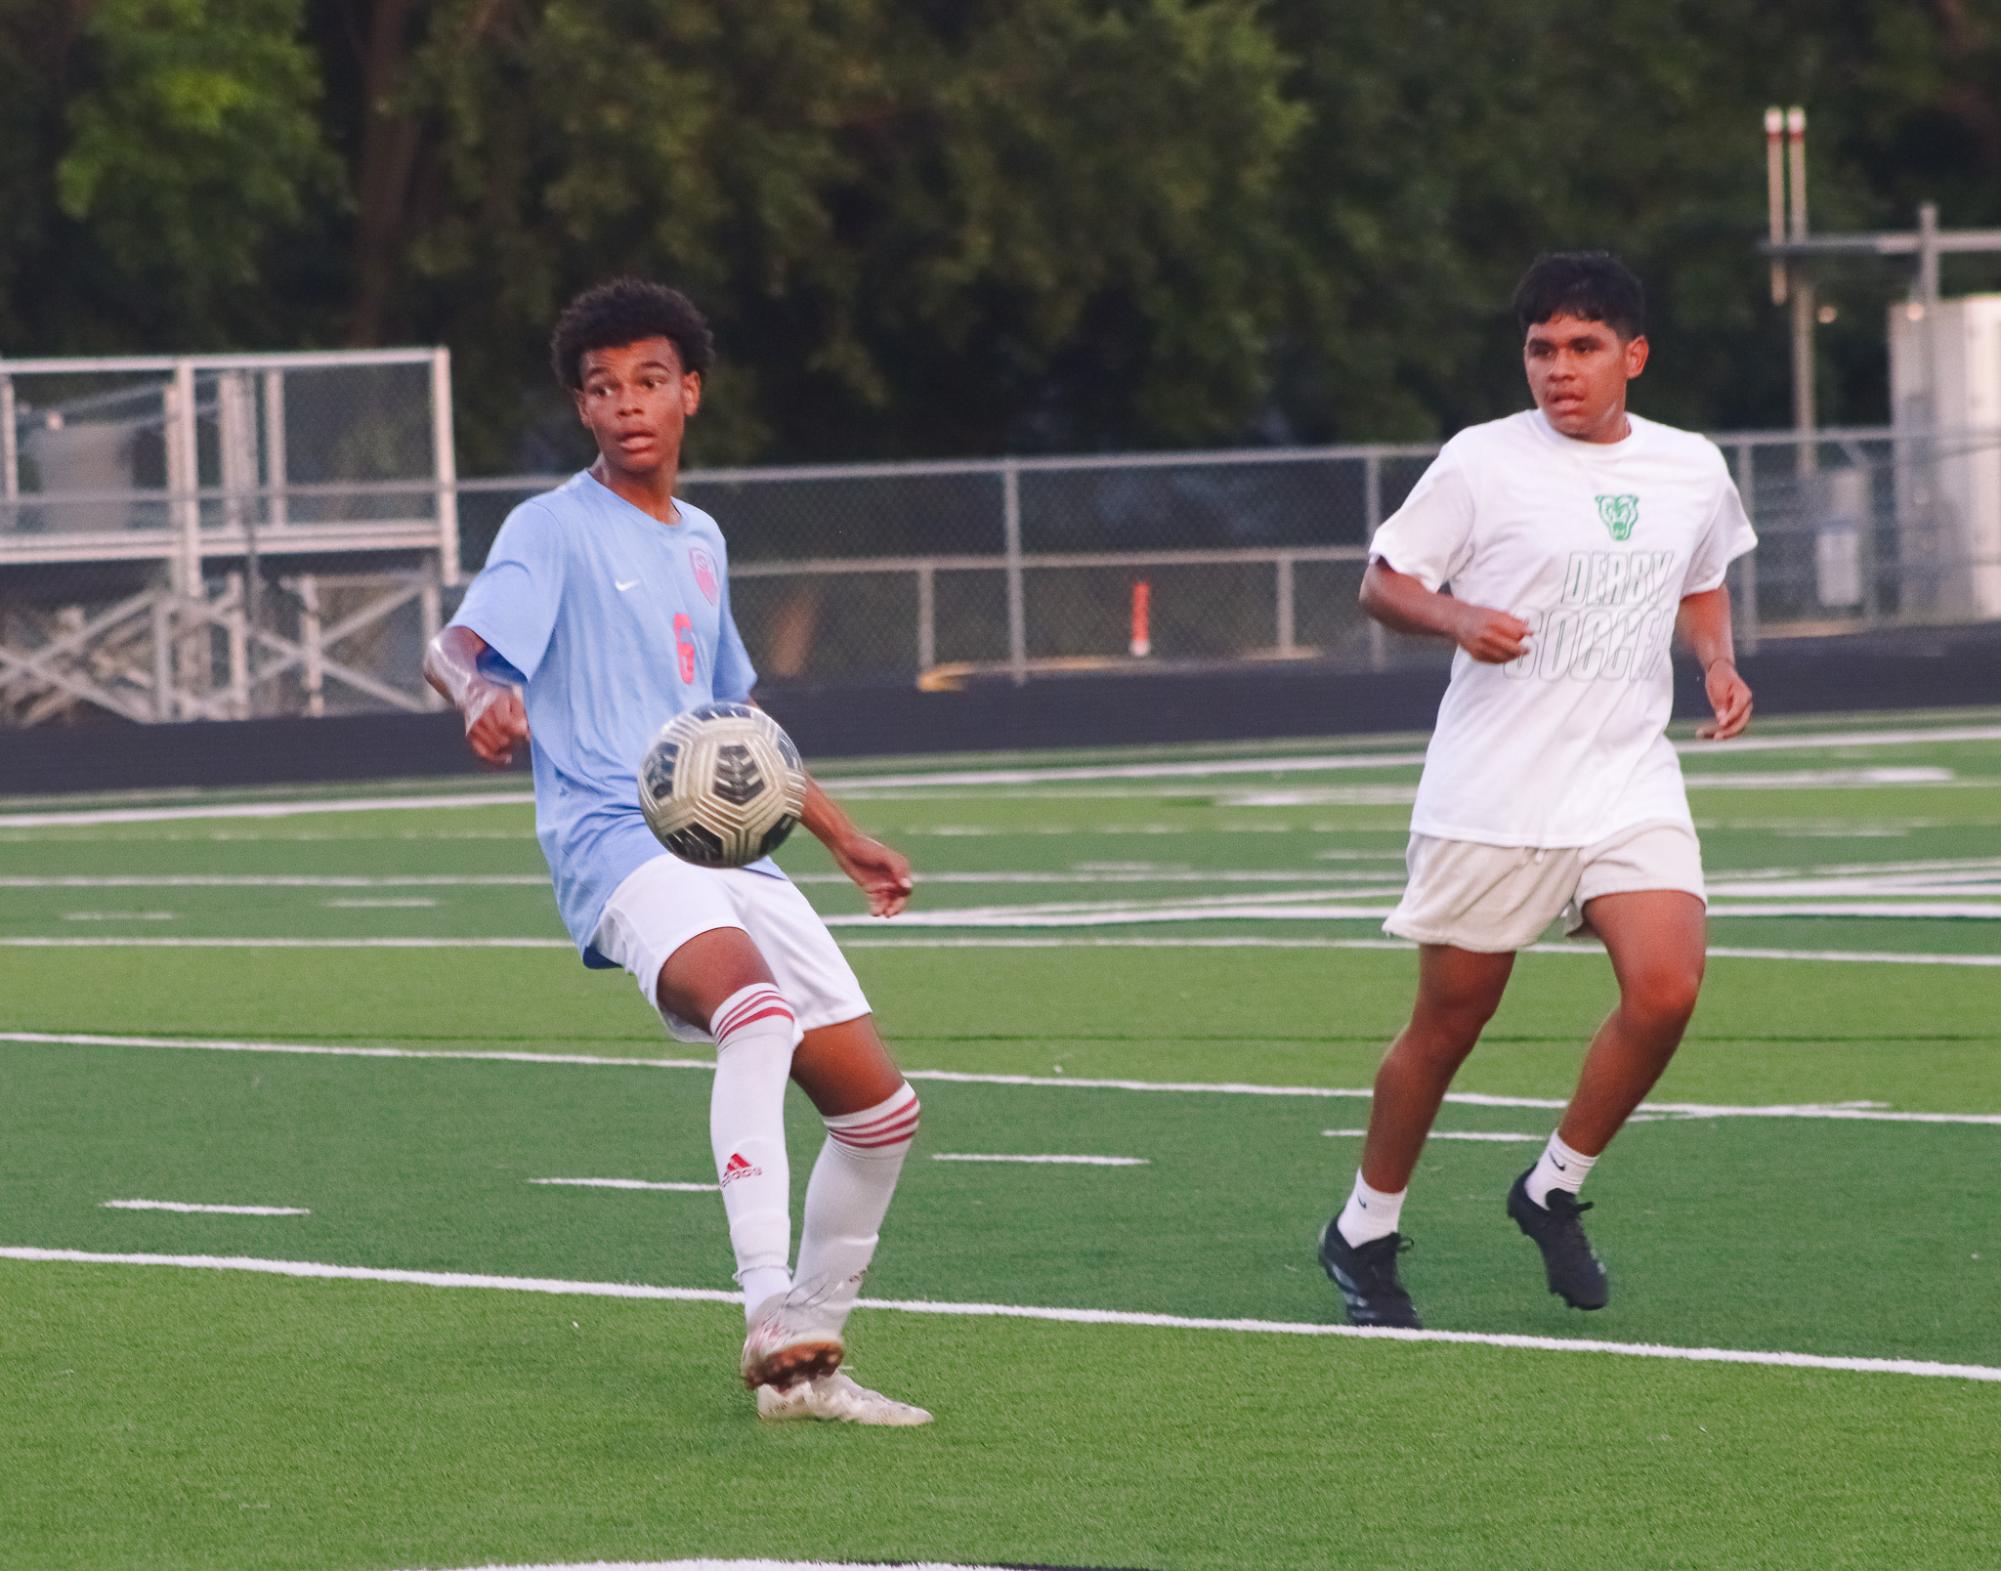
(603, 611)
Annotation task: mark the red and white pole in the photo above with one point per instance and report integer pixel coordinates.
(1142, 637)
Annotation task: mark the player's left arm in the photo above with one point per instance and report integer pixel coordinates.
(882, 873)
(1704, 624)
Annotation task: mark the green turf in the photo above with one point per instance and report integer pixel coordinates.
(157, 1417)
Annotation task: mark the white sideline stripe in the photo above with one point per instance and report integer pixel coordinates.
(182, 1205)
(1095, 1317)
(995, 941)
(745, 1565)
(1182, 875)
(1283, 764)
(1053, 1161)
(163, 815)
(1834, 1110)
(410, 904)
(119, 916)
(1442, 1134)
(285, 881)
(632, 1183)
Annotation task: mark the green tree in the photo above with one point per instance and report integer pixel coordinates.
(160, 156)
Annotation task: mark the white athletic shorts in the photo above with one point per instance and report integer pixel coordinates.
(1494, 899)
(668, 901)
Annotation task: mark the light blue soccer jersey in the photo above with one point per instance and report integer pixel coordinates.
(612, 622)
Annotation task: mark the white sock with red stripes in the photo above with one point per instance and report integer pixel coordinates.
(755, 1034)
(848, 1196)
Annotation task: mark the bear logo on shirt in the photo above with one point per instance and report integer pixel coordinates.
(1619, 514)
(705, 574)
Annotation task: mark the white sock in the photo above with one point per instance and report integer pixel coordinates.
(849, 1193)
(1559, 1168)
(755, 1033)
(1370, 1214)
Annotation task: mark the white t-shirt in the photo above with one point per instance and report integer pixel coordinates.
(1594, 545)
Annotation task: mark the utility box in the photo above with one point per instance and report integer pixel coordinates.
(1945, 401)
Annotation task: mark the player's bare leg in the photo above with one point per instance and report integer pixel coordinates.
(1656, 941)
(1458, 991)
(872, 1116)
(719, 977)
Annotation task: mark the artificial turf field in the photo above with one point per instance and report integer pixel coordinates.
(1801, 1365)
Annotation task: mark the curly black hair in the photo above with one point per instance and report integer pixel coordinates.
(1594, 285)
(623, 311)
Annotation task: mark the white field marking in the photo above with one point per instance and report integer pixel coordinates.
(163, 815)
(287, 943)
(275, 881)
(408, 903)
(1847, 1111)
(182, 1205)
(1306, 876)
(631, 1183)
(1218, 768)
(746, 1565)
(1049, 1161)
(1823, 779)
(1773, 780)
(1446, 1134)
(313, 1269)
(1264, 941)
(1013, 941)
(120, 916)
(1134, 914)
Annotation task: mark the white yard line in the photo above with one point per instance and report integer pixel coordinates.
(278, 881)
(1009, 941)
(202, 1210)
(409, 903)
(1179, 770)
(1041, 1161)
(310, 1269)
(1841, 1111)
(1446, 1134)
(631, 1183)
(167, 815)
(120, 916)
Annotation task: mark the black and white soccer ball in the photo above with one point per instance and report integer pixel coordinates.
(722, 785)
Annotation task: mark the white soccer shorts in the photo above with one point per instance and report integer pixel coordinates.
(668, 901)
(1495, 899)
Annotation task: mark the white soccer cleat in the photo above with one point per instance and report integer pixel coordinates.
(837, 1399)
(789, 1341)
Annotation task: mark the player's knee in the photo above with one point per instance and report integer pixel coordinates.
(1664, 996)
(886, 1129)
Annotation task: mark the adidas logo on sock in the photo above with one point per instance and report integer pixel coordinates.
(737, 1167)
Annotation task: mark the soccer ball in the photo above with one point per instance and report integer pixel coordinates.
(722, 785)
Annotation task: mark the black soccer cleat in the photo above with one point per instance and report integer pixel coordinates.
(1367, 1277)
(1576, 1274)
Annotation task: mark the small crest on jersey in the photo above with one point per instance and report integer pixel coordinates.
(1619, 514)
(705, 574)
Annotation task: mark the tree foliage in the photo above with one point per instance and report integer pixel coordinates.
(958, 226)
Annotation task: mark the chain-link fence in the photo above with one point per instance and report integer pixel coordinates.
(935, 572)
(213, 537)
(303, 573)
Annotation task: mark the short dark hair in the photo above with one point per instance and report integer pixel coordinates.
(1594, 285)
(623, 311)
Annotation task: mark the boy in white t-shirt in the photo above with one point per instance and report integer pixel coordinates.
(1577, 539)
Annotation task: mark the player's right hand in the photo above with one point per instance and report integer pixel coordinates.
(1493, 637)
(496, 722)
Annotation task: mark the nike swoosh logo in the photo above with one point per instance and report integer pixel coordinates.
(625, 584)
